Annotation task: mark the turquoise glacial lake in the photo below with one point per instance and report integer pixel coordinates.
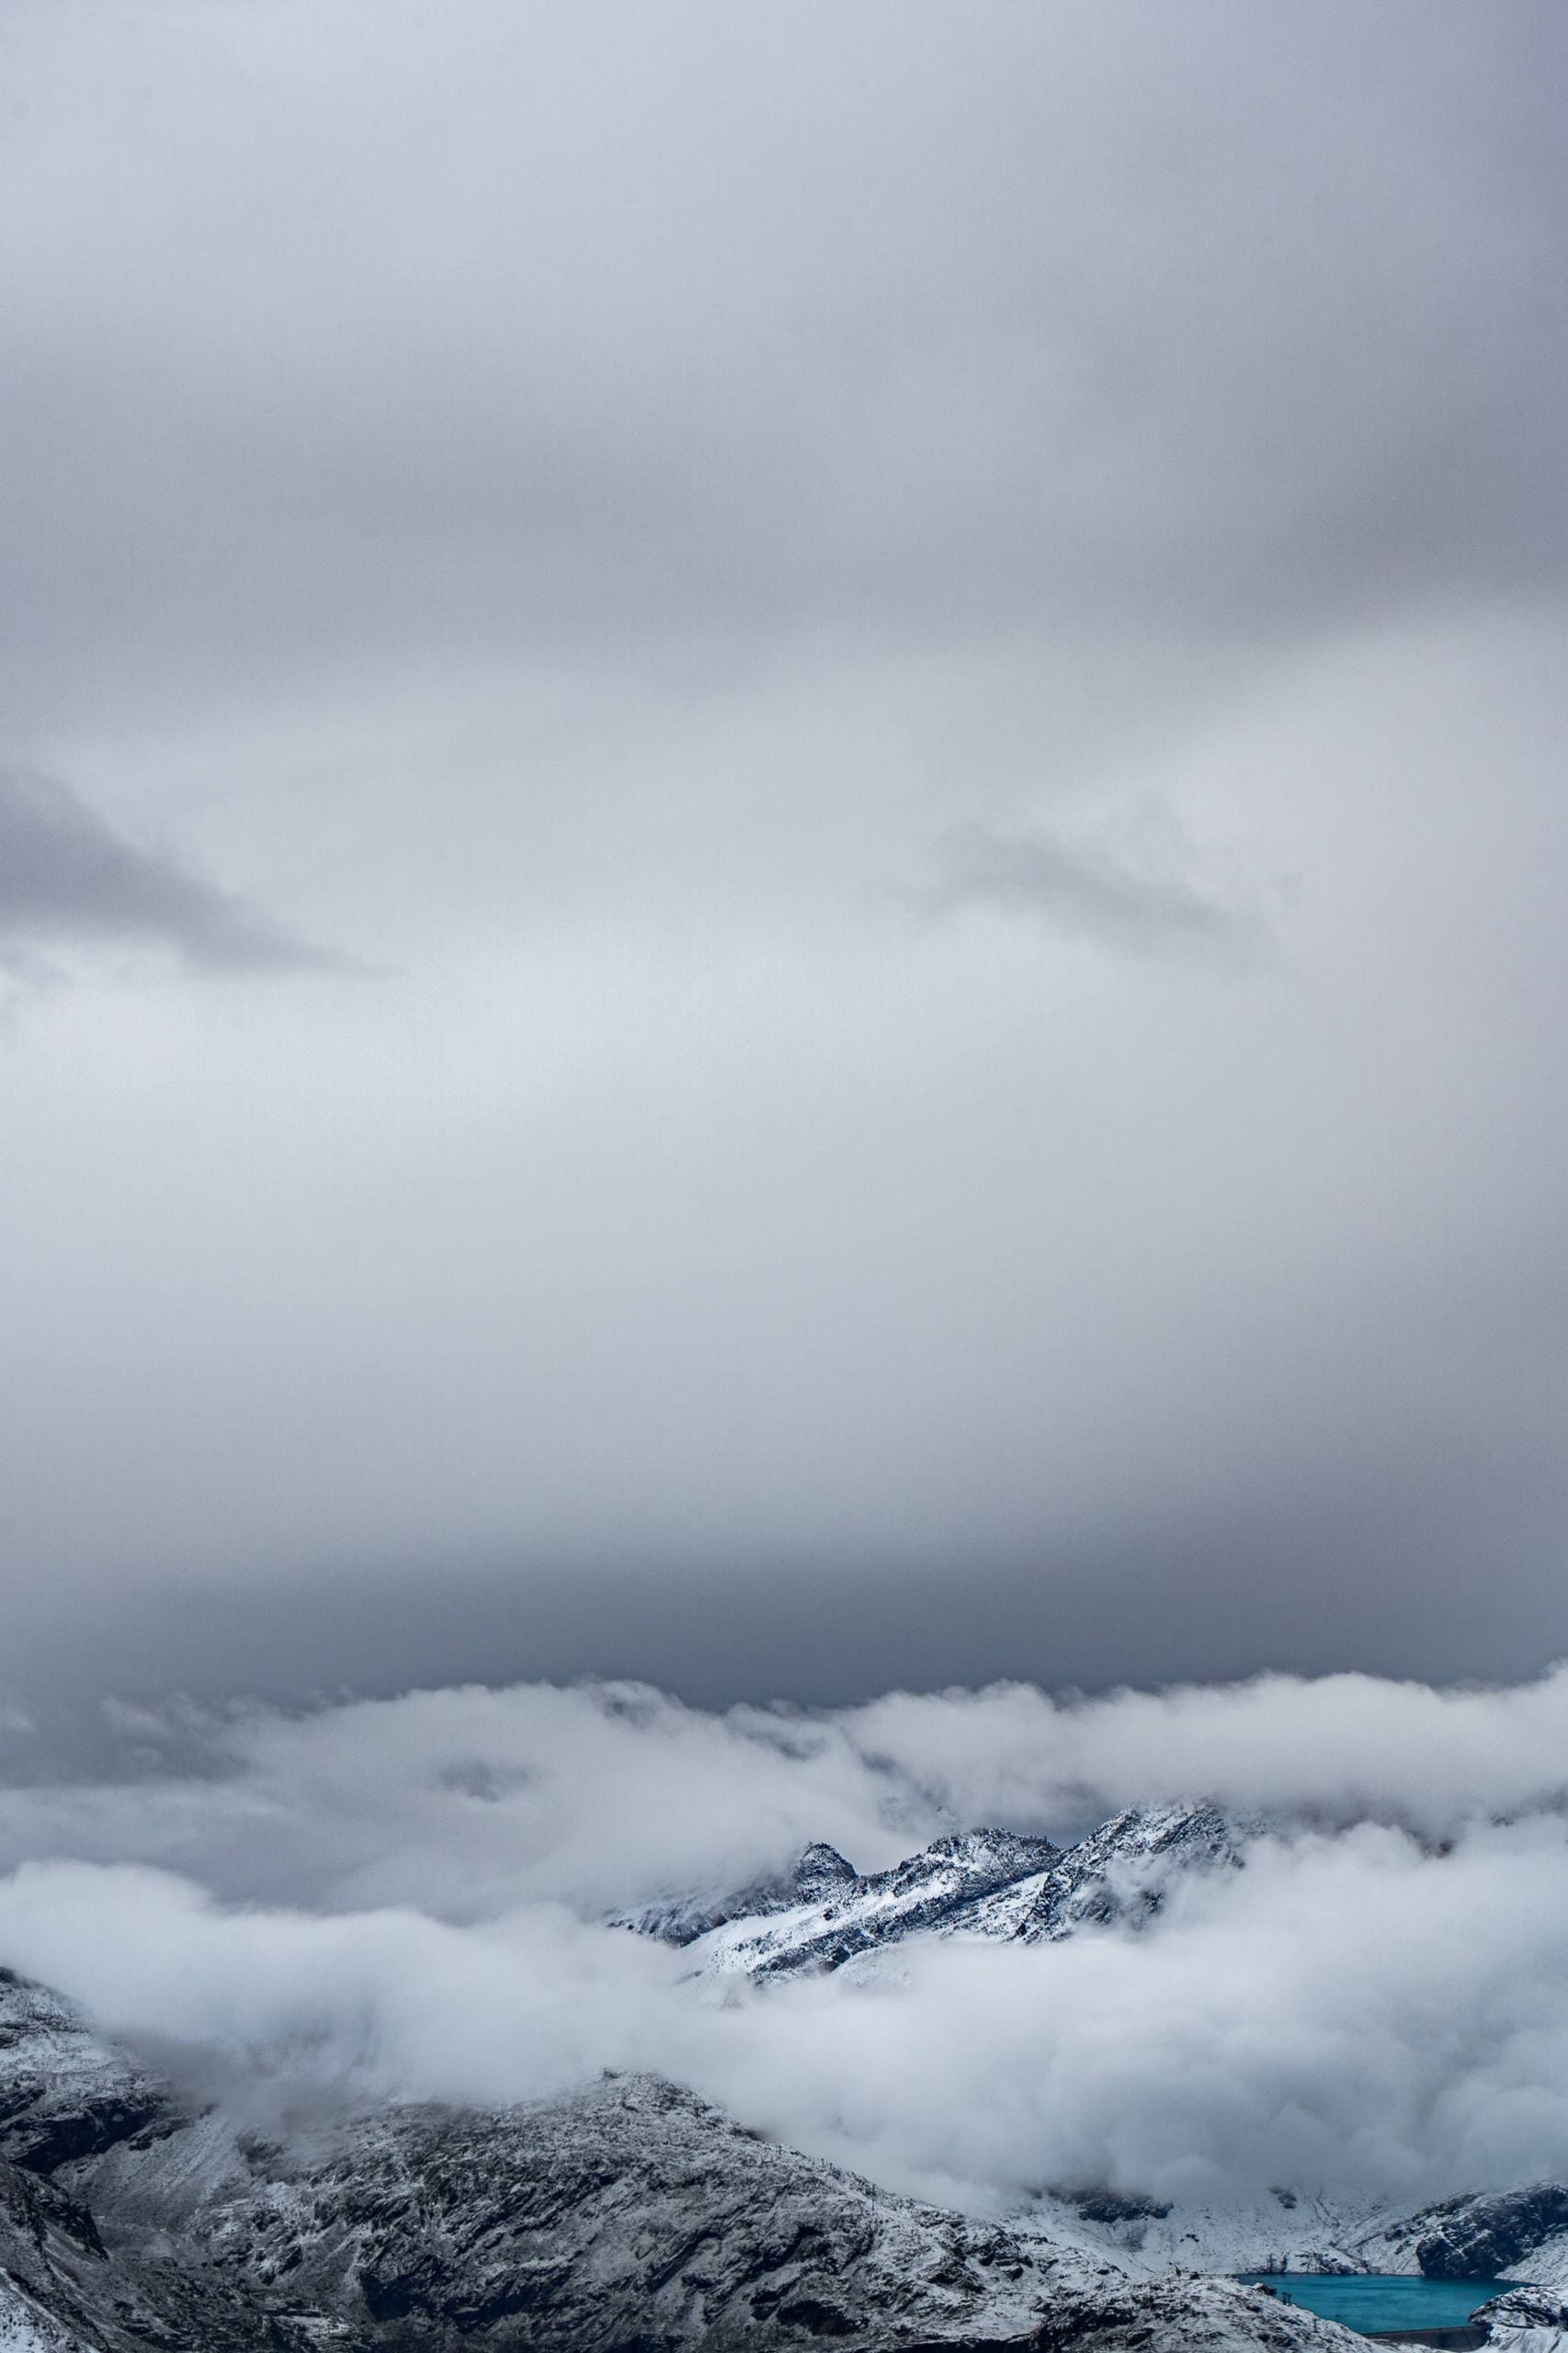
(1374, 2301)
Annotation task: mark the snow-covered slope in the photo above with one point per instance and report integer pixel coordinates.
(1518, 2234)
(63, 2092)
(930, 1890)
(989, 1883)
(633, 2215)
(1119, 1872)
(628, 2218)
(1528, 2320)
(1280, 2230)
(820, 1874)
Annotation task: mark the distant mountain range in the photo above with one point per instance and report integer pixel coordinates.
(980, 1884)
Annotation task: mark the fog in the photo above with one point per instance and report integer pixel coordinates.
(408, 1899)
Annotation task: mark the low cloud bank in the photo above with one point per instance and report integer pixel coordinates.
(400, 1898)
(466, 1801)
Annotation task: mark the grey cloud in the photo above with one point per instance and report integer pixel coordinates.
(65, 875)
(1095, 887)
(601, 493)
(466, 1801)
(1206, 327)
(769, 1299)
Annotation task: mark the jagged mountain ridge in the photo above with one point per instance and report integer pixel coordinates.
(990, 1884)
(819, 1874)
(631, 2217)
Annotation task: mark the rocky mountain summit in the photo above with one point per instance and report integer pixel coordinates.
(631, 2217)
(990, 1884)
(820, 1875)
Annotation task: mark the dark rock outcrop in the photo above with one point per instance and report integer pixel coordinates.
(1105, 2206)
(64, 2094)
(1476, 2238)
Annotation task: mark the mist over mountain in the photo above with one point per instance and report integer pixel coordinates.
(1325, 1952)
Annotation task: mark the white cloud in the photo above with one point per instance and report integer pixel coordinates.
(398, 1898)
(465, 1802)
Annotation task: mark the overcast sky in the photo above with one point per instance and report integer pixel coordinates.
(781, 841)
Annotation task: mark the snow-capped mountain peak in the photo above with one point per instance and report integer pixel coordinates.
(988, 1882)
(1121, 1872)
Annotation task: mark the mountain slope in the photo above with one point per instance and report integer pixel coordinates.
(628, 2218)
(63, 2092)
(820, 1875)
(1522, 2233)
(633, 2215)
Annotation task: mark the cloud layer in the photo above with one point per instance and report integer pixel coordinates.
(1105, 319)
(404, 1899)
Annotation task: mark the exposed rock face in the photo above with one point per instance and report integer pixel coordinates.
(634, 2214)
(819, 1874)
(64, 2094)
(1120, 1872)
(1476, 2238)
(822, 1874)
(64, 2290)
(630, 2218)
(983, 1883)
(1105, 2206)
